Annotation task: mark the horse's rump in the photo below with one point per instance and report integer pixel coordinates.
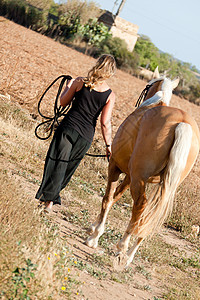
(155, 139)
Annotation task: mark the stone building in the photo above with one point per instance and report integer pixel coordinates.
(121, 28)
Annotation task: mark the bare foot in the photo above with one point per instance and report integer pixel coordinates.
(48, 206)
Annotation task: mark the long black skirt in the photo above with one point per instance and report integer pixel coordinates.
(65, 153)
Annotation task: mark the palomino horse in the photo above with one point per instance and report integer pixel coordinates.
(155, 144)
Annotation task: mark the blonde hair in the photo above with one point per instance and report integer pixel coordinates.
(104, 69)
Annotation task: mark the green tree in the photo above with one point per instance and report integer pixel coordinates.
(148, 53)
(54, 9)
(164, 61)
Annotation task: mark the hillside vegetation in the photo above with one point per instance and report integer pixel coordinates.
(44, 257)
(71, 24)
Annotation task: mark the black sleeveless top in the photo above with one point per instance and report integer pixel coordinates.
(86, 108)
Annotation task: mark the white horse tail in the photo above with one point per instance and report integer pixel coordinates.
(160, 204)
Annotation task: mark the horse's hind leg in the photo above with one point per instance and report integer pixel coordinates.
(121, 189)
(111, 196)
(123, 260)
(138, 194)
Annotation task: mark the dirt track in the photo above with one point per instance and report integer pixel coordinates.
(28, 63)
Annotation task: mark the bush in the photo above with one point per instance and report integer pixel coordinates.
(94, 33)
(72, 19)
(77, 9)
(117, 47)
(21, 13)
(41, 4)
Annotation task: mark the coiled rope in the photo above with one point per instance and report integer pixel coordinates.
(58, 111)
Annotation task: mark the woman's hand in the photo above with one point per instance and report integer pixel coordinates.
(108, 152)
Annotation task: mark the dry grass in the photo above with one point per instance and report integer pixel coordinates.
(26, 236)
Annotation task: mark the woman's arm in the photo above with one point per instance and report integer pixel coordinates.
(71, 88)
(106, 127)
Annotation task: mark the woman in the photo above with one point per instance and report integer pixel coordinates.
(74, 135)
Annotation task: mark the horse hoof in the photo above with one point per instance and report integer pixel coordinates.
(120, 262)
(91, 243)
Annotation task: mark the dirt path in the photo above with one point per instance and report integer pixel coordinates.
(99, 285)
(105, 282)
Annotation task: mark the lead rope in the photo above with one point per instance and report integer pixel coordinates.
(143, 95)
(58, 112)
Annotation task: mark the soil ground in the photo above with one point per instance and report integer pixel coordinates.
(28, 63)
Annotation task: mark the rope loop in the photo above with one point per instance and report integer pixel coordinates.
(58, 111)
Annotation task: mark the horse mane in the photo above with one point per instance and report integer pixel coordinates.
(156, 80)
(167, 90)
(161, 96)
(156, 99)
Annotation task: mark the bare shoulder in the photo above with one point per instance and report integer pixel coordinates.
(111, 97)
(78, 82)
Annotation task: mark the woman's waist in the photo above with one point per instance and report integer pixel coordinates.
(80, 120)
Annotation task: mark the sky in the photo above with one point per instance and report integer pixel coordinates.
(173, 25)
